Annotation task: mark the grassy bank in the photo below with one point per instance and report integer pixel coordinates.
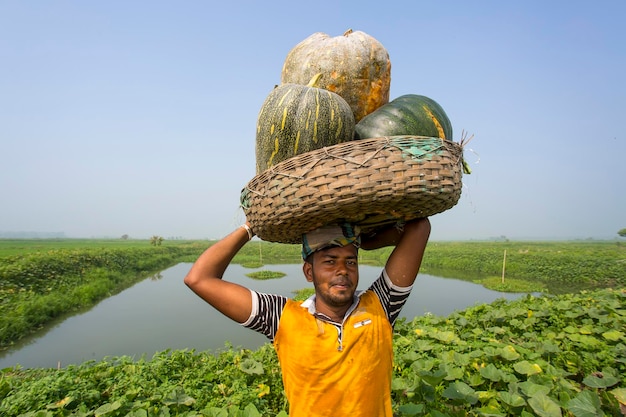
(42, 283)
(562, 266)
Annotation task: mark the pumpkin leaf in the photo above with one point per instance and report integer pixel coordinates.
(509, 353)
(491, 373)
(613, 335)
(178, 397)
(39, 413)
(452, 370)
(530, 389)
(107, 408)
(527, 368)
(435, 413)
(445, 336)
(461, 392)
(251, 411)
(433, 378)
(217, 412)
(485, 396)
(252, 367)
(490, 410)
(423, 345)
(604, 381)
(511, 399)
(399, 384)
(585, 404)
(475, 380)
(410, 357)
(544, 406)
(423, 365)
(620, 395)
(411, 409)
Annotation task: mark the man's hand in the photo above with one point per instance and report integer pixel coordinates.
(388, 235)
(406, 258)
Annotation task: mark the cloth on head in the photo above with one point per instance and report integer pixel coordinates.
(330, 235)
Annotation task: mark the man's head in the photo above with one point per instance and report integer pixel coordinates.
(331, 264)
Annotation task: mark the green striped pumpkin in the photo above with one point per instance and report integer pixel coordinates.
(410, 114)
(296, 119)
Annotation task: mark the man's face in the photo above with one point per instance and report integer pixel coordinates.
(334, 273)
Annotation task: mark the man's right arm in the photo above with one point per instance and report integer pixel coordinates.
(205, 278)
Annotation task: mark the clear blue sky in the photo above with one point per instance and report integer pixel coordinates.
(138, 117)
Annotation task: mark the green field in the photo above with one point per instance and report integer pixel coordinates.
(558, 267)
(560, 354)
(11, 247)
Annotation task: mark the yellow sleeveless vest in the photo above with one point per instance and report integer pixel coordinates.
(321, 380)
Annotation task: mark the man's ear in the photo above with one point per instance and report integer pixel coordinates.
(307, 268)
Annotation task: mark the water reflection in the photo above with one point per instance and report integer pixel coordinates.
(161, 313)
(157, 276)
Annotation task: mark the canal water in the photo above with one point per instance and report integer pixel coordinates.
(161, 313)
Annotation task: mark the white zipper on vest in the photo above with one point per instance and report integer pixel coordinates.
(340, 338)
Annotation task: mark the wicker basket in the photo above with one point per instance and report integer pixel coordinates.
(370, 182)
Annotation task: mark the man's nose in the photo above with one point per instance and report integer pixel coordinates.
(342, 268)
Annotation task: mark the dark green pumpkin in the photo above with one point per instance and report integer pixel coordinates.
(410, 114)
(296, 119)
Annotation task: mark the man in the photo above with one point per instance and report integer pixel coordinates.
(335, 349)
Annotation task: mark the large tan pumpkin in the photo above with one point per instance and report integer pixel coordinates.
(354, 65)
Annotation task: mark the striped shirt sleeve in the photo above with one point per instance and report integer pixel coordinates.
(392, 297)
(266, 311)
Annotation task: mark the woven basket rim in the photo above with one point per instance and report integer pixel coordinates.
(287, 166)
(289, 195)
